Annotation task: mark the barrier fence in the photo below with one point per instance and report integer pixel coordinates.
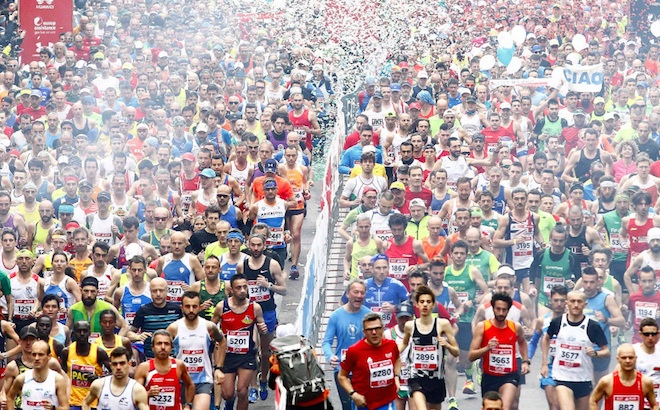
(312, 300)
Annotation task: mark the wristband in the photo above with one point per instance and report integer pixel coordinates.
(351, 393)
(527, 361)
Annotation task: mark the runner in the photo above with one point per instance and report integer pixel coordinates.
(134, 293)
(166, 379)
(237, 317)
(39, 385)
(179, 268)
(211, 289)
(375, 365)
(105, 274)
(194, 350)
(626, 386)
(649, 257)
(265, 279)
(404, 252)
(364, 244)
(272, 211)
(83, 362)
(117, 391)
(577, 337)
(384, 293)
(430, 336)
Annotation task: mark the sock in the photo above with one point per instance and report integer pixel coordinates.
(468, 372)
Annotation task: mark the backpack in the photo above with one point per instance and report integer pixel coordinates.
(301, 374)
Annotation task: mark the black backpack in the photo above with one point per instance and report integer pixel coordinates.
(300, 372)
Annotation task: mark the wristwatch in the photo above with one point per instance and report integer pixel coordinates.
(189, 405)
(351, 393)
(527, 361)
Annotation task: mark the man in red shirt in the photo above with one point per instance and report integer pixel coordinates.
(354, 138)
(645, 303)
(495, 133)
(35, 110)
(415, 189)
(375, 366)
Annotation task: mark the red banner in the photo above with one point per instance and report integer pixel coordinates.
(43, 22)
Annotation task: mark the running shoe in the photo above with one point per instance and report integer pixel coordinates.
(468, 387)
(263, 390)
(453, 404)
(294, 273)
(253, 396)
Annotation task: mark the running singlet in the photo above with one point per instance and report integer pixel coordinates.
(34, 393)
(273, 216)
(239, 329)
(130, 303)
(426, 357)
(638, 239)
(521, 255)
(193, 346)
(25, 296)
(625, 397)
(500, 360)
(169, 397)
(401, 257)
(177, 272)
(109, 401)
(59, 289)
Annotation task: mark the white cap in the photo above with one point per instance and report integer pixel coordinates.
(368, 148)
(505, 106)
(653, 233)
(422, 74)
(505, 270)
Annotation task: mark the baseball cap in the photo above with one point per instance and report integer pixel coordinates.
(202, 127)
(28, 331)
(142, 125)
(390, 114)
(369, 81)
(71, 178)
(163, 54)
(127, 66)
(478, 137)
(35, 93)
(317, 67)
(536, 48)
(553, 42)
(65, 208)
(84, 184)
(27, 252)
(105, 195)
(270, 183)
(464, 90)
(270, 165)
(63, 160)
(207, 173)
(99, 56)
(417, 202)
(599, 100)
(398, 185)
(234, 116)
(415, 106)
(89, 281)
(377, 94)
(472, 100)
(579, 111)
(188, 157)
(405, 309)
(608, 116)
(643, 84)
(531, 36)
(153, 141)
(395, 87)
(29, 185)
(505, 106)
(422, 74)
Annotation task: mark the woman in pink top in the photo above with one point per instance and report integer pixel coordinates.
(626, 151)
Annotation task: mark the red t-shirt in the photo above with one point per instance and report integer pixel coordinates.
(354, 138)
(492, 138)
(373, 371)
(642, 306)
(425, 195)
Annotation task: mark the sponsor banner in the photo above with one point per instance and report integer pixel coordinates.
(580, 78)
(521, 82)
(43, 21)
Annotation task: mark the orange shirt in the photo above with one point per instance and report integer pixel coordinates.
(431, 251)
(284, 189)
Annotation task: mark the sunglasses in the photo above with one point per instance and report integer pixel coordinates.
(374, 329)
(647, 334)
(160, 218)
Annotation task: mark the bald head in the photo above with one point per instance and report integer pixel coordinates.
(625, 349)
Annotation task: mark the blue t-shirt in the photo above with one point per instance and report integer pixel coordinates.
(347, 328)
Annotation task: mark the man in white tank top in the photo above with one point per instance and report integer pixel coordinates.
(39, 384)
(118, 391)
(648, 356)
(103, 272)
(103, 225)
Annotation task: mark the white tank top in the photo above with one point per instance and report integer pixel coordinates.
(647, 364)
(396, 145)
(380, 227)
(16, 199)
(455, 170)
(120, 210)
(102, 230)
(193, 350)
(34, 393)
(241, 176)
(471, 124)
(24, 294)
(7, 269)
(571, 364)
(108, 401)
(104, 280)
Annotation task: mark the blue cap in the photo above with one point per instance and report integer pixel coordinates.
(270, 165)
(395, 87)
(379, 257)
(536, 48)
(65, 208)
(207, 173)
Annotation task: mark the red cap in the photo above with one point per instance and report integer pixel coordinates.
(71, 178)
(369, 189)
(403, 64)
(188, 157)
(73, 224)
(415, 106)
(15, 153)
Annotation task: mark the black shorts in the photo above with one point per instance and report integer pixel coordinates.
(294, 212)
(20, 324)
(617, 269)
(493, 383)
(521, 274)
(464, 336)
(233, 362)
(434, 390)
(580, 389)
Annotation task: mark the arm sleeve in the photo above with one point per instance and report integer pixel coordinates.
(596, 334)
(553, 329)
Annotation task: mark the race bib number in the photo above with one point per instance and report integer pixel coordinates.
(342, 355)
(165, 398)
(22, 308)
(553, 348)
(258, 293)
(645, 309)
(404, 376)
(569, 355)
(103, 237)
(463, 296)
(40, 250)
(93, 337)
(550, 282)
(381, 374)
(186, 200)
(81, 374)
(383, 234)
(298, 195)
(193, 360)
(61, 315)
(385, 317)
(130, 317)
(615, 243)
(425, 357)
(398, 267)
(523, 247)
(500, 360)
(622, 402)
(275, 237)
(174, 290)
(238, 341)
